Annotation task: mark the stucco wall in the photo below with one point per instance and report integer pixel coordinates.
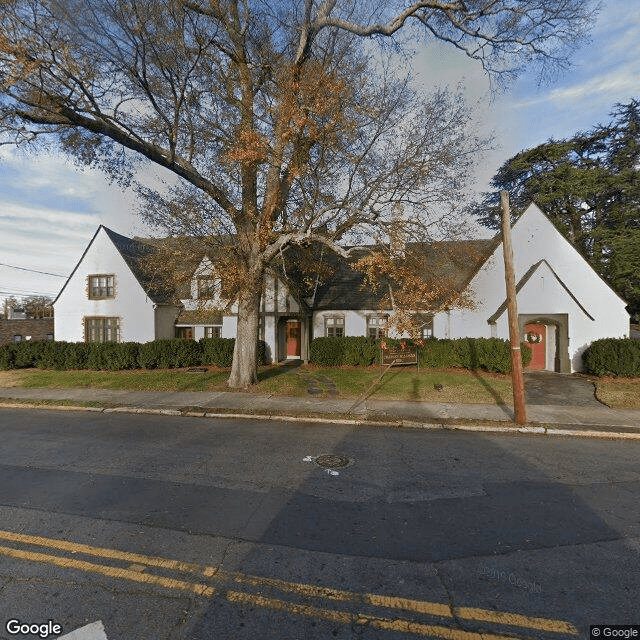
(534, 239)
(130, 304)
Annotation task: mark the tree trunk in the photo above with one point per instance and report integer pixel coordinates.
(244, 370)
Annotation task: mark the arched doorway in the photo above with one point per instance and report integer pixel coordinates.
(548, 339)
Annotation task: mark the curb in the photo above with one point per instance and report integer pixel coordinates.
(529, 429)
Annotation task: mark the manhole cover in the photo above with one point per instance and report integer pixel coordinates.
(331, 461)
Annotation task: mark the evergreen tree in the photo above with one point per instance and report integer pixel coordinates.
(589, 186)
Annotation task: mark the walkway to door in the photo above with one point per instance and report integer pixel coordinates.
(548, 388)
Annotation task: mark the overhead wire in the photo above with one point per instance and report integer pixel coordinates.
(46, 273)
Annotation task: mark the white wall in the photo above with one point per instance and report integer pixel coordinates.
(130, 304)
(535, 238)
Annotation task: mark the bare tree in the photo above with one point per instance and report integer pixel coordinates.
(281, 121)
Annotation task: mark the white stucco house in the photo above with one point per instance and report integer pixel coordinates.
(563, 304)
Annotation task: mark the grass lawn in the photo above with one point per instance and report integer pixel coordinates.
(137, 380)
(408, 384)
(397, 384)
(618, 393)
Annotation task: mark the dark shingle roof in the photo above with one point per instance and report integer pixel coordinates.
(457, 261)
(134, 252)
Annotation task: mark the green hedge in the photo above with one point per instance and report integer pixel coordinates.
(490, 354)
(117, 356)
(353, 351)
(613, 356)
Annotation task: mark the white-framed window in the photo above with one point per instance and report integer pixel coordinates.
(102, 329)
(212, 332)
(207, 287)
(376, 326)
(334, 326)
(426, 326)
(101, 286)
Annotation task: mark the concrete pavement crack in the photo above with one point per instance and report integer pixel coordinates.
(452, 607)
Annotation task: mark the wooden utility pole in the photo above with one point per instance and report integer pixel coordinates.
(512, 310)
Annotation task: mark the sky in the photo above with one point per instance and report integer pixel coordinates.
(50, 209)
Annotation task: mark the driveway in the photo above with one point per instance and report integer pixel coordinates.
(548, 388)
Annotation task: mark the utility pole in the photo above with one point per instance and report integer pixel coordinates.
(512, 310)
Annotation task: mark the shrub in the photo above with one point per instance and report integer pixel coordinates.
(613, 356)
(360, 351)
(438, 354)
(6, 357)
(490, 354)
(169, 353)
(217, 351)
(113, 356)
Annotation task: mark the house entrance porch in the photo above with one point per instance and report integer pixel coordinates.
(548, 338)
(293, 338)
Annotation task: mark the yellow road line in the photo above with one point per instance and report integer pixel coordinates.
(344, 617)
(304, 590)
(515, 619)
(102, 552)
(112, 572)
(406, 604)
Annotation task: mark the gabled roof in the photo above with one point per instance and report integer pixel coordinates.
(132, 252)
(342, 287)
(523, 281)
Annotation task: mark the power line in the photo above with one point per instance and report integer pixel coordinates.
(46, 273)
(28, 293)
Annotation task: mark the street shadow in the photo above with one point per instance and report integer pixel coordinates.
(475, 365)
(485, 517)
(497, 397)
(279, 369)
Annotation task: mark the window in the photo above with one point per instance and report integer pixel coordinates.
(334, 327)
(102, 330)
(17, 338)
(186, 333)
(425, 324)
(212, 332)
(101, 286)
(376, 326)
(49, 337)
(207, 287)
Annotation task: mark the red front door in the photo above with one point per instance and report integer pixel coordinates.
(293, 339)
(534, 332)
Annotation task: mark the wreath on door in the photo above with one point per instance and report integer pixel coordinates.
(533, 337)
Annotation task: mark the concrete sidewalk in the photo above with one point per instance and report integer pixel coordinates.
(572, 418)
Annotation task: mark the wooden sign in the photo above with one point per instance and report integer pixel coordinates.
(408, 355)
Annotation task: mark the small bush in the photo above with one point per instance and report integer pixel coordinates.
(217, 351)
(6, 358)
(169, 354)
(327, 352)
(490, 354)
(438, 354)
(113, 356)
(613, 356)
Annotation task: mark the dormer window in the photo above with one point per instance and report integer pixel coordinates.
(208, 287)
(101, 286)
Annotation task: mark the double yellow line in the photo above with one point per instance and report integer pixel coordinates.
(137, 565)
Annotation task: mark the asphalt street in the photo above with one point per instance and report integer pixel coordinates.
(184, 528)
